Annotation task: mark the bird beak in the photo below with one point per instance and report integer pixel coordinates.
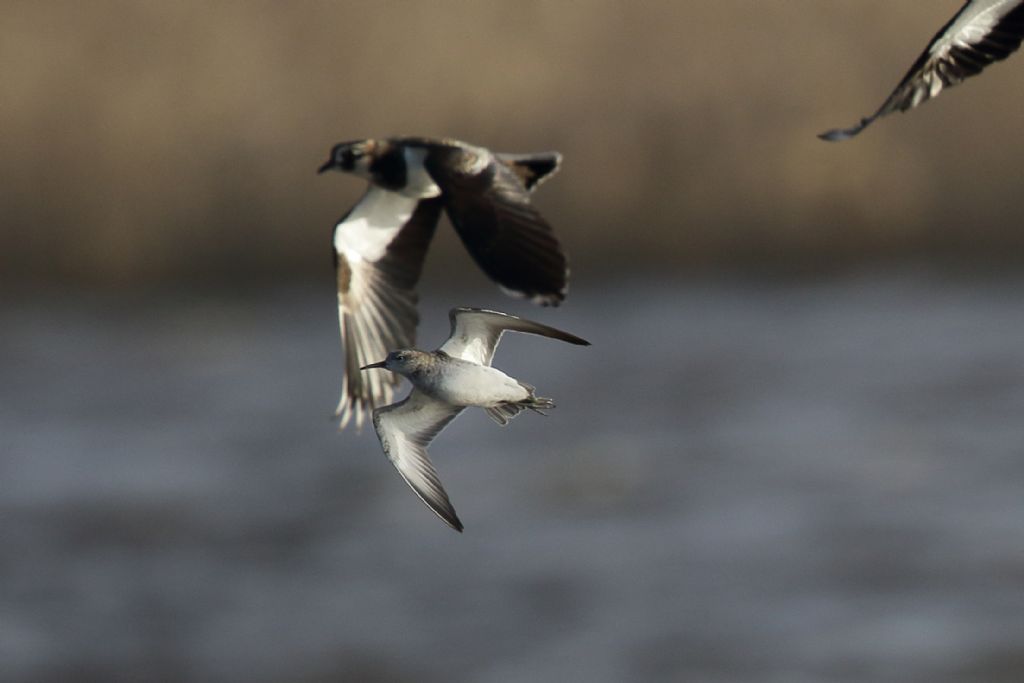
(374, 365)
(328, 165)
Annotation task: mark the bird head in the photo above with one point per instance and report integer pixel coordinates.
(350, 157)
(403, 361)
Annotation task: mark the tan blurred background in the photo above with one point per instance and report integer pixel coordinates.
(161, 142)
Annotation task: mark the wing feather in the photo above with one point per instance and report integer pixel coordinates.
(405, 430)
(489, 206)
(379, 256)
(982, 32)
(476, 332)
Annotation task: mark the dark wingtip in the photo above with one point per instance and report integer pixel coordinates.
(837, 135)
(446, 512)
(840, 134)
(570, 338)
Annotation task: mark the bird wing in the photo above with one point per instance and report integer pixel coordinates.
(476, 333)
(379, 248)
(982, 32)
(489, 206)
(405, 430)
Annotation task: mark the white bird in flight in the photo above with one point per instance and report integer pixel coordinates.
(455, 376)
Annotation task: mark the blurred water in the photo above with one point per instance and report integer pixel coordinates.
(744, 481)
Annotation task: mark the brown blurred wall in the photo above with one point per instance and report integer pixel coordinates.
(158, 142)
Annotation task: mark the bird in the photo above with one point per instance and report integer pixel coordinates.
(381, 242)
(982, 32)
(455, 376)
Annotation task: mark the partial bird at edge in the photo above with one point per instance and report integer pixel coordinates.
(981, 33)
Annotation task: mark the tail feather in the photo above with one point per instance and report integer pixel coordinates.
(532, 169)
(506, 412)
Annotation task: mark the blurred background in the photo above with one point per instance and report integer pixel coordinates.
(794, 452)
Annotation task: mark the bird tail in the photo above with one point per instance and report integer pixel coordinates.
(504, 413)
(532, 169)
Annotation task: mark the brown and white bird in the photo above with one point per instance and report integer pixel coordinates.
(445, 382)
(982, 32)
(380, 244)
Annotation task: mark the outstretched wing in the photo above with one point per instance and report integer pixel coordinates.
(982, 32)
(379, 248)
(476, 333)
(405, 430)
(489, 206)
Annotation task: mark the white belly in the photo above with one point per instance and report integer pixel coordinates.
(469, 384)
